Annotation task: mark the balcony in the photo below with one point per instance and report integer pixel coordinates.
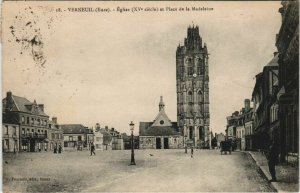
(34, 136)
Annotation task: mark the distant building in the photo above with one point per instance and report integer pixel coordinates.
(111, 139)
(117, 140)
(161, 133)
(77, 136)
(35, 131)
(10, 137)
(98, 140)
(232, 122)
(127, 141)
(219, 137)
(249, 135)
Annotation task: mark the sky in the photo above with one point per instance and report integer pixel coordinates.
(112, 68)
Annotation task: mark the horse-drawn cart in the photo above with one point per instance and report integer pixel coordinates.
(225, 147)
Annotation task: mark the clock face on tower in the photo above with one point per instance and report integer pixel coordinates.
(194, 75)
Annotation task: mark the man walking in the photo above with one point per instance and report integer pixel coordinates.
(272, 156)
(192, 151)
(92, 149)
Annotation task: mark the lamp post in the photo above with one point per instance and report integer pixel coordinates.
(131, 125)
(185, 145)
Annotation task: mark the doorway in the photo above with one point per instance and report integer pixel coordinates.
(158, 143)
(191, 133)
(166, 143)
(32, 145)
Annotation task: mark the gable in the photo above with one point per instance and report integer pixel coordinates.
(161, 120)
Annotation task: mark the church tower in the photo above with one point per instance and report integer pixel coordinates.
(192, 89)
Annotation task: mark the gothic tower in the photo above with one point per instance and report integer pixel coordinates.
(192, 89)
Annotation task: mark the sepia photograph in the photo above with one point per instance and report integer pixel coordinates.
(150, 96)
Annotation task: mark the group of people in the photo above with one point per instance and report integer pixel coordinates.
(57, 150)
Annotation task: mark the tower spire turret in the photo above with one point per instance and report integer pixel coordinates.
(161, 104)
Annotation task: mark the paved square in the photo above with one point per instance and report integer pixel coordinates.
(165, 170)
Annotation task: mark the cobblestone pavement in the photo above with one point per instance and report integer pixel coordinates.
(163, 170)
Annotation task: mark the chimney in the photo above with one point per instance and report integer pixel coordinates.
(247, 104)
(9, 95)
(9, 100)
(54, 119)
(41, 106)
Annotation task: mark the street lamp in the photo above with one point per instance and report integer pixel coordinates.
(185, 145)
(131, 125)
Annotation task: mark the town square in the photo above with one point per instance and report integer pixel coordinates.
(138, 101)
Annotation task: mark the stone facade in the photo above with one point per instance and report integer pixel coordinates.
(192, 81)
(161, 133)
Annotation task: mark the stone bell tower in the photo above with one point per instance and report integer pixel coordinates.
(192, 89)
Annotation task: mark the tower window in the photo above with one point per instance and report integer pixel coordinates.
(189, 67)
(189, 70)
(199, 97)
(199, 67)
(190, 97)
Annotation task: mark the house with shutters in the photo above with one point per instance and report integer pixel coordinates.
(35, 131)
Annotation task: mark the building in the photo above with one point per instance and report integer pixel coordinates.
(111, 139)
(249, 130)
(116, 140)
(77, 136)
(10, 137)
(35, 131)
(192, 82)
(161, 133)
(98, 138)
(265, 86)
(232, 122)
(56, 134)
(219, 137)
(127, 141)
(287, 43)
(98, 142)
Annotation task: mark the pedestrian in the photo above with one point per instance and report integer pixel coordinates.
(55, 150)
(92, 149)
(59, 148)
(192, 151)
(272, 156)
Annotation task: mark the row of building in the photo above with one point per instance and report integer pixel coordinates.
(274, 117)
(27, 128)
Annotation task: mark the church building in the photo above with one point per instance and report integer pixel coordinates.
(161, 133)
(192, 81)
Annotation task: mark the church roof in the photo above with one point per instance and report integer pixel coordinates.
(146, 129)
